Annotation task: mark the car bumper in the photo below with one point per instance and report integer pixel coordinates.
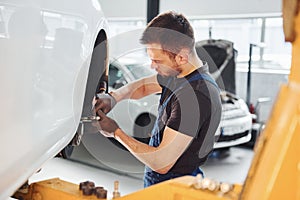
(233, 140)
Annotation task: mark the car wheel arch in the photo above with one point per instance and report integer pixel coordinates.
(97, 73)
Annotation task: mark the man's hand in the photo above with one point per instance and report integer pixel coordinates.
(105, 103)
(106, 125)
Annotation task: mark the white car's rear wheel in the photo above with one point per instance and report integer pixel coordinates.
(143, 127)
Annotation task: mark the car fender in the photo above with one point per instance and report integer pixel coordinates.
(43, 66)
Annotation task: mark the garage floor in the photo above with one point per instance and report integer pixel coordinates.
(231, 167)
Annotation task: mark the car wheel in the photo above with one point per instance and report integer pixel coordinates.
(67, 151)
(143, 127)
(220, 153)
(255, 132)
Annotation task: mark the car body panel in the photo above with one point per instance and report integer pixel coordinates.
(45, 50)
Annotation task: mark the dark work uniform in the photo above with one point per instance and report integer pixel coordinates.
(190, 105)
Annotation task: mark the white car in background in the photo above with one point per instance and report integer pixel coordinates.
(49, 75)
(136, 117)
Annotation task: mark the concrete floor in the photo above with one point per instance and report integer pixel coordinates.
(232, 167)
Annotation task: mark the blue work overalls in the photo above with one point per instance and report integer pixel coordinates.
(151, 177)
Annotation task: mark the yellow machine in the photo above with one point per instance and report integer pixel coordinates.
(275, 169)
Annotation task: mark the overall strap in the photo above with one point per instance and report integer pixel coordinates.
(196, 77)
(203, 77)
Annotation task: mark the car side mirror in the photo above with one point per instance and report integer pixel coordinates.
(119, 83)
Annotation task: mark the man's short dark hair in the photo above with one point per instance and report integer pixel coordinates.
(170, 29)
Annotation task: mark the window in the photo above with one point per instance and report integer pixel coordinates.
(115, 76)
(241, 31)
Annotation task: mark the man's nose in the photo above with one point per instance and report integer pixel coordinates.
(153, 65)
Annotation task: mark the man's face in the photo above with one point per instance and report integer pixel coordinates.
(161, 61)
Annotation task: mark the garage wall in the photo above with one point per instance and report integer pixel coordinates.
(264, 83)
(221, 7)
(124, 36)
(121, 8)
(138, 8)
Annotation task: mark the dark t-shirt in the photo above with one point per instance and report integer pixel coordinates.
(194, 110)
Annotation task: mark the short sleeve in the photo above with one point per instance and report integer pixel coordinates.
(189, 111)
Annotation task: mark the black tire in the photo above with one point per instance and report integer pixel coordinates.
(220, 153)
(254, 135)
(67, 151)
(143, 127)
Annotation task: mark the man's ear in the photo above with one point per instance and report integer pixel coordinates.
(183, 56)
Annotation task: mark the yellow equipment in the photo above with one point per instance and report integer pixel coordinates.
(52, 189)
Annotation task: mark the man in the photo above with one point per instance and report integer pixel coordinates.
(189, 109)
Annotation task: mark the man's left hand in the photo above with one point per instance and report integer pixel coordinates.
(106, 125)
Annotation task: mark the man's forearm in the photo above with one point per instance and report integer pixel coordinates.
(133, 145)
(143, 152)
(159, 159)
(137, 89)
(130, 91)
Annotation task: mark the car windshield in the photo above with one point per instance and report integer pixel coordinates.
(139, 71)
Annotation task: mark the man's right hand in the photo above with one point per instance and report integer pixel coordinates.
(104, 102)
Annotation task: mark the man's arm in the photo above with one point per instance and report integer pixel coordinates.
(138, 89)
(161, 158)
(133, 90)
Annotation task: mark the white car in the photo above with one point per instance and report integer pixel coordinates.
(46, 48)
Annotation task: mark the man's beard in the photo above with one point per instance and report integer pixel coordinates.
(175, 71)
